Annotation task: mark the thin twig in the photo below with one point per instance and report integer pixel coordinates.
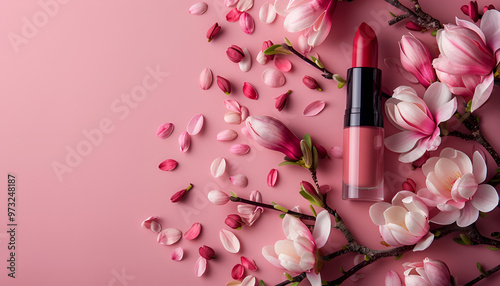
(481, 277)
(326, 73)
(417, 15)
(267, 206)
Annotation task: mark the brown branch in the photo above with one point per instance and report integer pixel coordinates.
(481, 277)
(267, 206)
(477, 136)
(417, 15)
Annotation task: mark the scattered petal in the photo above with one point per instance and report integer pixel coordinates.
(311, 83)
(246, 63)
(206, 78)
(229, 241)
(232, 118)
(249, 91)
(193, 232)
(314, 108)
(169, 236)
(217, 197)
(177, 254)
(195, 124)
(267, 13)
(235, 54)
(248, 281)
(207, 252)
(152, 223)
(178, 196)
(265, 46)
(237, 271)
(248, 263)
(281, 101)
(227, 135)
(247, 23)
(232, 105)
(273, 77)
(239, 149)
(184, 141)
(224, 85)
(218, 167)
(230, 3)
(283, 64)
(324, 189)
(168, 165)
(244, 113)
(213, 31)
(244, 5)
(261, 58)
(239, 180)
(165, 130)
(200, 266)
(198, 8)
(337, 152)
(272, 177)
(233, 15)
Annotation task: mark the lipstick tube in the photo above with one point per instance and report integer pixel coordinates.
(363, 163)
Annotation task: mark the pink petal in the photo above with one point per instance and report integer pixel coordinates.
(198, 8)
(468, 215)
(482, 92)
(218, 197)
(403, 141)
(218, 167)
(165, 130)
(248, 263)
(200, 266)
(273, 77)
(247, 23)
(466, 187)
(245, 132)
(392, 279)
(227, 135)
(169, 236)
(230, 3)
(395, 65)
(486, 198)
(416, 223)
(229, 241)
(479, 168)
(244, 113)
(195, 124)
(184, 141)
(237, 271)
(255, 196)
(239, 180)
(249, 91)
(239, 149)
(314, 279)
(232, 118)
(272, 177)
(270, 255)
(445, 218)
(248, 281)
(177, 254)
(303, 46)
(246, 63)
(322, 228)
(168, 165)
(193, 232)
(232, 105)
(267, 13)
(376, 212)
(314, 108)
(233, 15)
(424, 242)
(283, 64)
(152, 223)
(337, 152)
(244, 5)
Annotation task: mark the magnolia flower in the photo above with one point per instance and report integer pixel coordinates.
(273, 134)
(429, 272)
(404, 222)
(313, 18)
(416, 58)
(454, 187)
(419, 119)
(468, 57)
(298, 252)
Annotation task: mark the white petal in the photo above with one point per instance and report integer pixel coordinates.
(218, 167)
(195, 124)
(169, 236)
(468, 215)
(267, 13)
(246, 63)
(314, 279)
(416, 223)
(445, 218)
(322, 228)
(270, 255)
(392, 279)
(466, 186)
(403, 141)
(377, 212)
(314, 108)
(273, 77)
(424, 242)
(229, 241)
(261, 58)
(244, 5)
(479, 167)
(248, 281)
(200, 266)
(486, 198)
(232, 118)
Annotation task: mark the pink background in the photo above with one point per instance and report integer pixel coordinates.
(72, 75)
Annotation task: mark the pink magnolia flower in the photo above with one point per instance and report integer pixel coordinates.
(404, 222)
(418, 119)
(313, 18)
(297, 253)
(468, 56)
(454, 187)
(249, 213)
(428, 272)
(416, 58)
(273, 134)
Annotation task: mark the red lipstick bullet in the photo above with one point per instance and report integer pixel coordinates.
(363, 164)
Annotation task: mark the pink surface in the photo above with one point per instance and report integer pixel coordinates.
(83, 95)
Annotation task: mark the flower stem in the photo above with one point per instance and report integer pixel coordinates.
(481, 277)
(267, 206)
(326, 74)
(417, 15)
(477, 136)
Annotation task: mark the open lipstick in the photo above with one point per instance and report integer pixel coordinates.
(363, 163)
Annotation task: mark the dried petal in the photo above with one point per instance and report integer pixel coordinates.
(281, 101)
(267, 13)
(152, 223)
(273, 77)
(227, 135)
(233, 15)
(232, 118)
(206, 252)
(168, 165)
(248, 263)
(177, 254)
(200, 266)
(314, 108)
(311, 83)
(239, 180)
(165, 130)
(224, 85)
(218, 167)
(195, 124)
(246, 63)
(193, 231)
(230, 3)
(169, 236)
(283, 64)
(237, 271)
(184, 141)
(272, 177)
(261, 58)
(244, 5)
(232, 105)
(247, 23)
(249, 91)
(235, 53)
(244, 113)
(198, 8)
(239, 149)
(229, 241)
(213, 31)
(337, 152)
(218, 197)
(206, 79)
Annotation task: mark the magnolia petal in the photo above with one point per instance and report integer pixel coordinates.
(270, 255)
(395, 65)
(255, 196)
(200, 266)
(218, 167)
(232, 105)
(273, 77)
(246, 63)
(424, 242)
(169, 236)
(244, 113)
(248, 281)
(247, 23)
(177, 254)
(283, 64)
(195, 124)
(184, 141)
(314, 108)
(218, 197)
(314, 279)
(165, 130)
(168, 165)
(249, 91)
(229, 3)
(155, 226)
(233, 283)
(392, 279)
(245, 132)
(239, 149)
(193, 232)
(486, 198)
(248, 263)
(322, 228)
(233, 15)
(267, 13)
(198, 8)
(376, 212)
(445, 218)
(237, 271)
(239, 180)
(272, 177)
(229, 241)
(416, 223)
(244, 5)
(227, 135)
(479, 168)
(261, 58)
(152, 223)
(232, 118)
(468, 215)
(337, 152)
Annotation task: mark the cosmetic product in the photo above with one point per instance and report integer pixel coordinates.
(363, 163)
